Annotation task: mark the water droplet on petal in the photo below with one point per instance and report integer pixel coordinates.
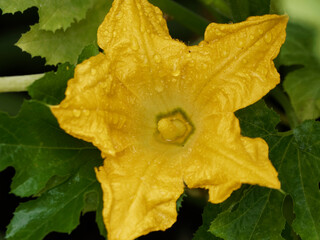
(159, 88)
(135, 45)
(268, 37)
(251, 37)
(176, 73)
(157, 58)
(76, 112)
(240, 43)
(86, 112)
(224, 53)
(260, 31)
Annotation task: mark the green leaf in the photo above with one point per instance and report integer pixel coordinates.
(303, 87)
(180, 200)
(65, 46)
(209, 213)
(296, 157)
(186, 17)
(53, 14)
(16, 5)
(99, 217)
(258, 216)
(87, 52)
(38, 149)
(307, 14)
(300, 178)
(297, 49)
(295, 154)
(220, 10)
(58, 209)
(50, 88)
(242, 9)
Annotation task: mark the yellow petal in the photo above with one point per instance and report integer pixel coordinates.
(233, 65)
(221, 159)
(135, 37)
(97, 107)
(140, 190)
(131, 23)
(125, 101)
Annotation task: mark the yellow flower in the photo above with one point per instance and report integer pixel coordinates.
(162, 114)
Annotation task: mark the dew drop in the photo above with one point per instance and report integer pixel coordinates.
(240, 43)
(268, 37)
(86, 112)
(157, 58)
(176, 73)
(224, 53)
(76, 112)
(159, 88)
(122, 121)
(135, 45)
(260, 31)
(251, 37)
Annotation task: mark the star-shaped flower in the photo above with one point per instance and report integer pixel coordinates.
(162, 114)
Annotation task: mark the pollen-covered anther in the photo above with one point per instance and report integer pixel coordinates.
(174, 128)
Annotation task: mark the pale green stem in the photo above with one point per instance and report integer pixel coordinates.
(18, 83)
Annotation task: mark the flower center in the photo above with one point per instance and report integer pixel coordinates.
(174, 128)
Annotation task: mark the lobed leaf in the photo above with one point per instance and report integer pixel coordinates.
(65, 46)
(53, 14)
(302, 85)
(16, 5)
(300, 178)
(58, 209)
(210, 212)
(38, 149)
(50, 88)
(258, 214)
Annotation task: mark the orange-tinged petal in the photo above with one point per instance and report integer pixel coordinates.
(140, 190)
(233, 65)
(221, 159)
